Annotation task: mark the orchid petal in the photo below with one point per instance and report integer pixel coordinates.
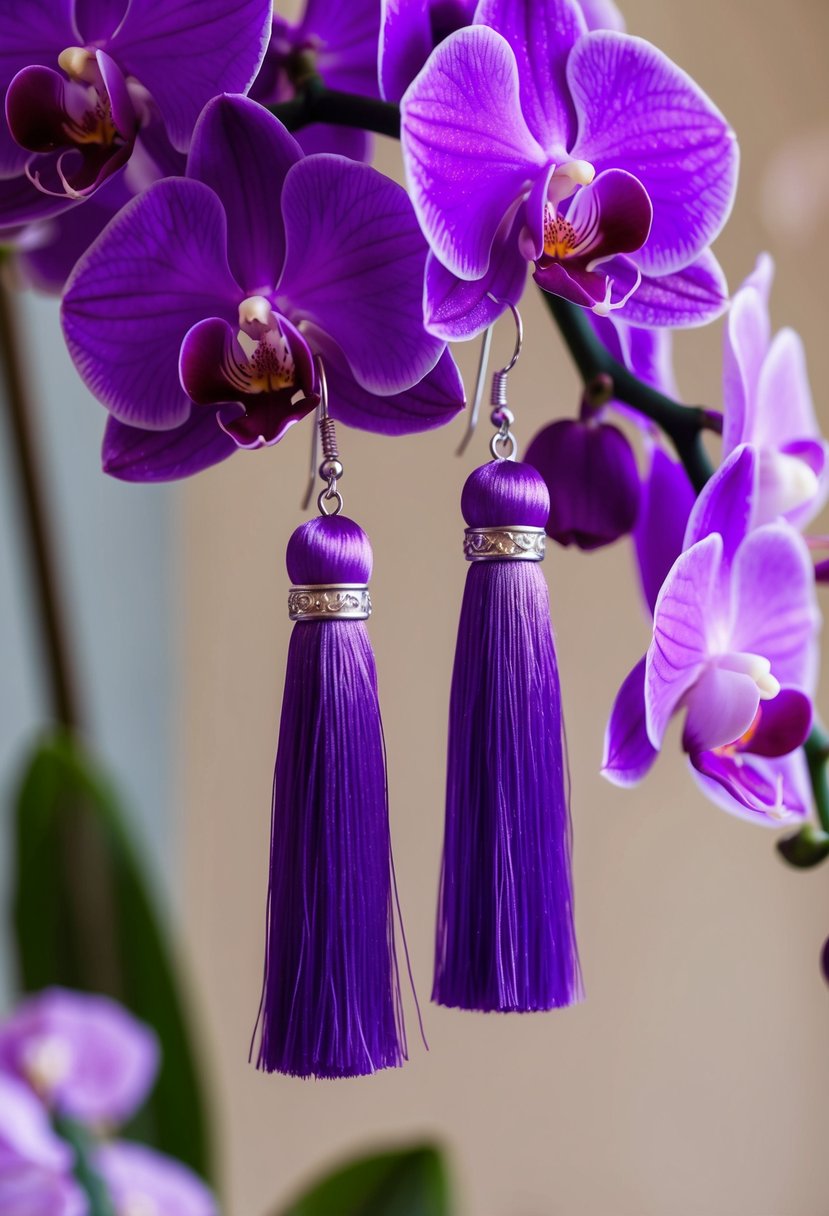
(783, 724)
(222, 45)
(156, 270)
(348, 32)
(679, 651)
(665, 504)
(645, 352)
(602, 15)
(639, 111)
(48, 263)
(611, 215)
(726, 504)
(25, 1130)
(746, 341)
(22, 203)
(602, 286)
(431, 403)
(769, 792)
(541, 33)
(405, 44)
(27, 1190)
(354, 270)
(775, 606)
(132, 454)
(470, 157)
(243, 153)
(785, 410)
(696, 295)
(721, 707)
(457, 309)
(341, 141)
(36, 38)
(107, 1059)
(628, 752)
(97, 20)
(163, 1184)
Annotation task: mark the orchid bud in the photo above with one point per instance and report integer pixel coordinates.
(591, 474)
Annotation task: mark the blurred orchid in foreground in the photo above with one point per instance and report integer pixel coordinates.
(338, 40)
(35, 1164)
(527, 139)
(83, 1055)
(83, 1058)
(83, 81)
(735, 647)
(206, 344)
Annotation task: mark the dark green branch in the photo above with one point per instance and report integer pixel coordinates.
(316, 103)
(683, 424)
(33, 515)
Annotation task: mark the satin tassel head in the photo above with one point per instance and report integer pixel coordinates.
(331, 995)
(505, 936)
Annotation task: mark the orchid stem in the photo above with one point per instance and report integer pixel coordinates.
(83, 1144)
(683, 424)
(316, 103)
(33, 516)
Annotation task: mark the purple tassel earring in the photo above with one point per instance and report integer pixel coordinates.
(505, 937)
(331, 995)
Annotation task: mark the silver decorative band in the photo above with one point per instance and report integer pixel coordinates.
(333, 602)
(504, 544)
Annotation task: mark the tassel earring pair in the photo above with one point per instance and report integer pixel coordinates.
(331, 1003)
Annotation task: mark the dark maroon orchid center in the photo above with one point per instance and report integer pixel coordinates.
(80, 123)
(260, 375)
(580, 233)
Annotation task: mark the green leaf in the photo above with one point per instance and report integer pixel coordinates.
(405, 1182)
(84, 918)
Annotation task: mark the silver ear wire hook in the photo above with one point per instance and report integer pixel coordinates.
(499, 380)
(503, 444)
(312, 468)
(331, 469)
(480, 380)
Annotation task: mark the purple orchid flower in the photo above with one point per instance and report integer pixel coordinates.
(734, 647)
(411, 29)
(83, 1055)
(35, 1165)
(83, 80)
(527, 139)
(140, 1180)
(768, 403)
(195, 316)
(340, 38)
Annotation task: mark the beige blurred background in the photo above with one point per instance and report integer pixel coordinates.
(694, 1080)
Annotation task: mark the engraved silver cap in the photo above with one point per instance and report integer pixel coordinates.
(330, 602)
(504, 544)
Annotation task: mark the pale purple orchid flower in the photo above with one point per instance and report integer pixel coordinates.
(196, 315)
(411, 29)
(734, 649)
(141, 1180)
(35, 1164)
(84, 1056)
(768, 403)
(84, 79)
(529, 140)
(341, 38)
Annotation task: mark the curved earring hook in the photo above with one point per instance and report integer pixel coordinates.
(319, 413)
(483, 363)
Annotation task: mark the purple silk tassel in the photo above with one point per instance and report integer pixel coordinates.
(505, 936)
(331, 994)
